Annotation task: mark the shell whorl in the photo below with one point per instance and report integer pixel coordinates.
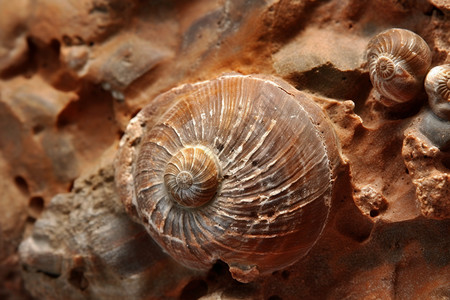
(239, 168)
(385, 67)
(398, 62)
(437, 86)
(192, 176)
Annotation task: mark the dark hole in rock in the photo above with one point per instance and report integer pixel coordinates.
(358, 228)
(446, 162)
(436, 11)
(374, 212)
(120, 133)
(134, 114)
(220, 268)
(219, 272)
(48, 274)
(67, 40)
(30, 219)
(21, 184)
(55, 46)
(26, 67)
(38, 128)
(10, 275)
(275, 297)
(69, 189)
(77, 279)
(144, 218)
(36, 205)
(285, 274)
(195, 289)
(136, 142)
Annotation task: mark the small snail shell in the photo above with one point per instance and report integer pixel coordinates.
(398, 62)
(437, 86)
(240, 168)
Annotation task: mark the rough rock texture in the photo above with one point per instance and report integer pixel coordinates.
(85, 239)
(429, 170)
(72, 75)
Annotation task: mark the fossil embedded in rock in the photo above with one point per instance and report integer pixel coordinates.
(398, 62)
(239, 168)
(437, 86)
(435, 123)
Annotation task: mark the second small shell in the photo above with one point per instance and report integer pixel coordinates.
(398, 62)
(437, 85)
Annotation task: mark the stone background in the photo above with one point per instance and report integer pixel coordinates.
(73, 73)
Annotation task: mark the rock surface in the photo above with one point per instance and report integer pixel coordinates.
(85, 246)
(72, 75)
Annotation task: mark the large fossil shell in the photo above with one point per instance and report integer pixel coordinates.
(437, 86)
(398, 62)
(240, 168)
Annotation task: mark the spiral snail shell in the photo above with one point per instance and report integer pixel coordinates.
(398, 62)
(239, 168)
(437, 86)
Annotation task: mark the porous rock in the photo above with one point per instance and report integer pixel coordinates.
(428, 167)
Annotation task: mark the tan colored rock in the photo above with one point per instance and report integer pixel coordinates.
(13, 43)
(431, 177)
(372, 147)
(76, 22)
(28, 139)
(13, 221)
(324, 61)
(370, 201)
(120, 62)
(434, 195)
(85, 247)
